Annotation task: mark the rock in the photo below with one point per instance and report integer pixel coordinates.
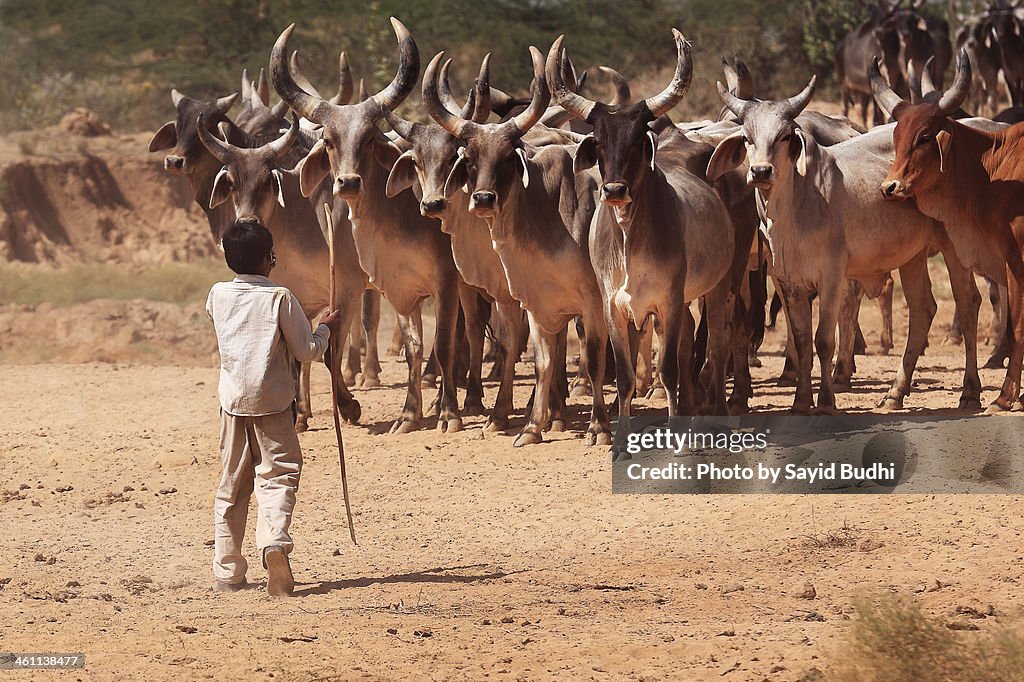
(424, 632)
(208, 543)
(336, 552)
(961, 623)
(40, 557)
(869, 545)
(168, 491)
(84, 122)
(391, 631)
(806, 591)
(187, 629)
(732, 587)
(64, 488)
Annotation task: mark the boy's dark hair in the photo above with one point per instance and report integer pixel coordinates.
(247, 245)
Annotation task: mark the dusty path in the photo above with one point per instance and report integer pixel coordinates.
(476, 560)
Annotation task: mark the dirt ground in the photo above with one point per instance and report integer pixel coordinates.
(475, 560)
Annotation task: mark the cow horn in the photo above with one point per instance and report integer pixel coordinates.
(444, 91)
(482, 90)
(176, 97)
(455, 125)
(345, 85)
(522, 122)
(672, 95)
(404, 128)
(574, 103)
(408, 69)
(736, 105)
(884, 95)
(223, 105)
(282, 144)
(363, 95)
(927, 86)
(223, 151)
(308, 106)
(794, 105)
(246, 86)
(296, 66)
(568, 71)
(956, 95)
(262, 89)
(623, 95)
(744, 81)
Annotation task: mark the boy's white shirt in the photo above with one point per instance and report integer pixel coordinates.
(261, 329)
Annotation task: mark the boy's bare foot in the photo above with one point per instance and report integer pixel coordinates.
(280, 582)
(219, 586)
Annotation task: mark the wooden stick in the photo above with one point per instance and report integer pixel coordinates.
(335, 353)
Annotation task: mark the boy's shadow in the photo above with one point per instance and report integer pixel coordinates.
(430, 575)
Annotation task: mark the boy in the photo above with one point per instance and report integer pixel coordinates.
(261, 332)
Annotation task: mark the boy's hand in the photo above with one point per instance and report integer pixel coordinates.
(333, 322)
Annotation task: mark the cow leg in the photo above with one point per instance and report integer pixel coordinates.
(742, 349)
(644, 359)
(830, 300)
(718, 308)
(798, 319)
(968, 302)
(917, 289)
(1001, 334)
(412, 337)
(303, 410)
(511, 317)
(677, 358)
(657, 389)
(371, 321)
(445, 343)
(599, 432)
(581, 386)
(544, 345)
(474, 403)
(397, 345)
(353, 356)
(842, 377)
(1009, 395)
(625, 377)
(885, 307)
(559, 393)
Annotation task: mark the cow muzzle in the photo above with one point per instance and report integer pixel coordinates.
(348, 185)
(483, 203)
(615, 194)
(433, 207)
(760, 176)
(895, 190)
(174, 163)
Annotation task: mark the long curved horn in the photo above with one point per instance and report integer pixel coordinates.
(408, 69)
(225, 152)
(956, 95)
(927, 86)
(884, 95)
(296, 66)
(522, 123)
(455, 125)
(262, 89)
(313, 108)
(794, 105)
(482, 90)
(246, 86)
(744, 81)
(673, 94)
(623, 95)
(736, 105)
(444, 90)
(576, 104)
(404, 128)
(281, 145)
(345, 84)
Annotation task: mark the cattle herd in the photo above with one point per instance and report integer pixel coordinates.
(527, 215)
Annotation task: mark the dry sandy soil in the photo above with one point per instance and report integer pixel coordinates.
(475, 560)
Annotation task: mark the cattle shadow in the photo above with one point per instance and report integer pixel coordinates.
(440, 575)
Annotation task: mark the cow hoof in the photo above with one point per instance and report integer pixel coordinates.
(557, 426)
(657, 393)
(841, 385)
(301, 425)
(805, 410)
(890, 404)
(404, 425)
(349, 377)
(473, 409)
(370, 381)
(738, 407)
(429, 381)
(599, 437)
(496, 424)
(827, 411)
(449, 425)
(970, 404)
(994, 362)
(786, 380)
(527, 438)
(350, 412)
(997, 408)
(580, 390)
(952, 340)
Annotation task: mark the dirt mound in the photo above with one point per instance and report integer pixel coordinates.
(106, 200)
(84, 122)
(106, 330)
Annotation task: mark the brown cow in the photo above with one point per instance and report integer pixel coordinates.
(973, 182)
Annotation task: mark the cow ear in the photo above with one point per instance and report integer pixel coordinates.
(729, 154)
(221, 188)
(402, 175)
(586, 155)
(385, 153)
(525, 167)
(652, 143)
(313, 169)
(278, 182)
(942, 141)
(457, 176)
(801, 159)
(922, 25)
(165, 138)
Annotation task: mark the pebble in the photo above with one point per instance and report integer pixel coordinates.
(64, 488)
(805, 592)
(392, 631)
(168, 491)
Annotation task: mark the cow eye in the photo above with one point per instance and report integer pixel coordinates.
(923, 140)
